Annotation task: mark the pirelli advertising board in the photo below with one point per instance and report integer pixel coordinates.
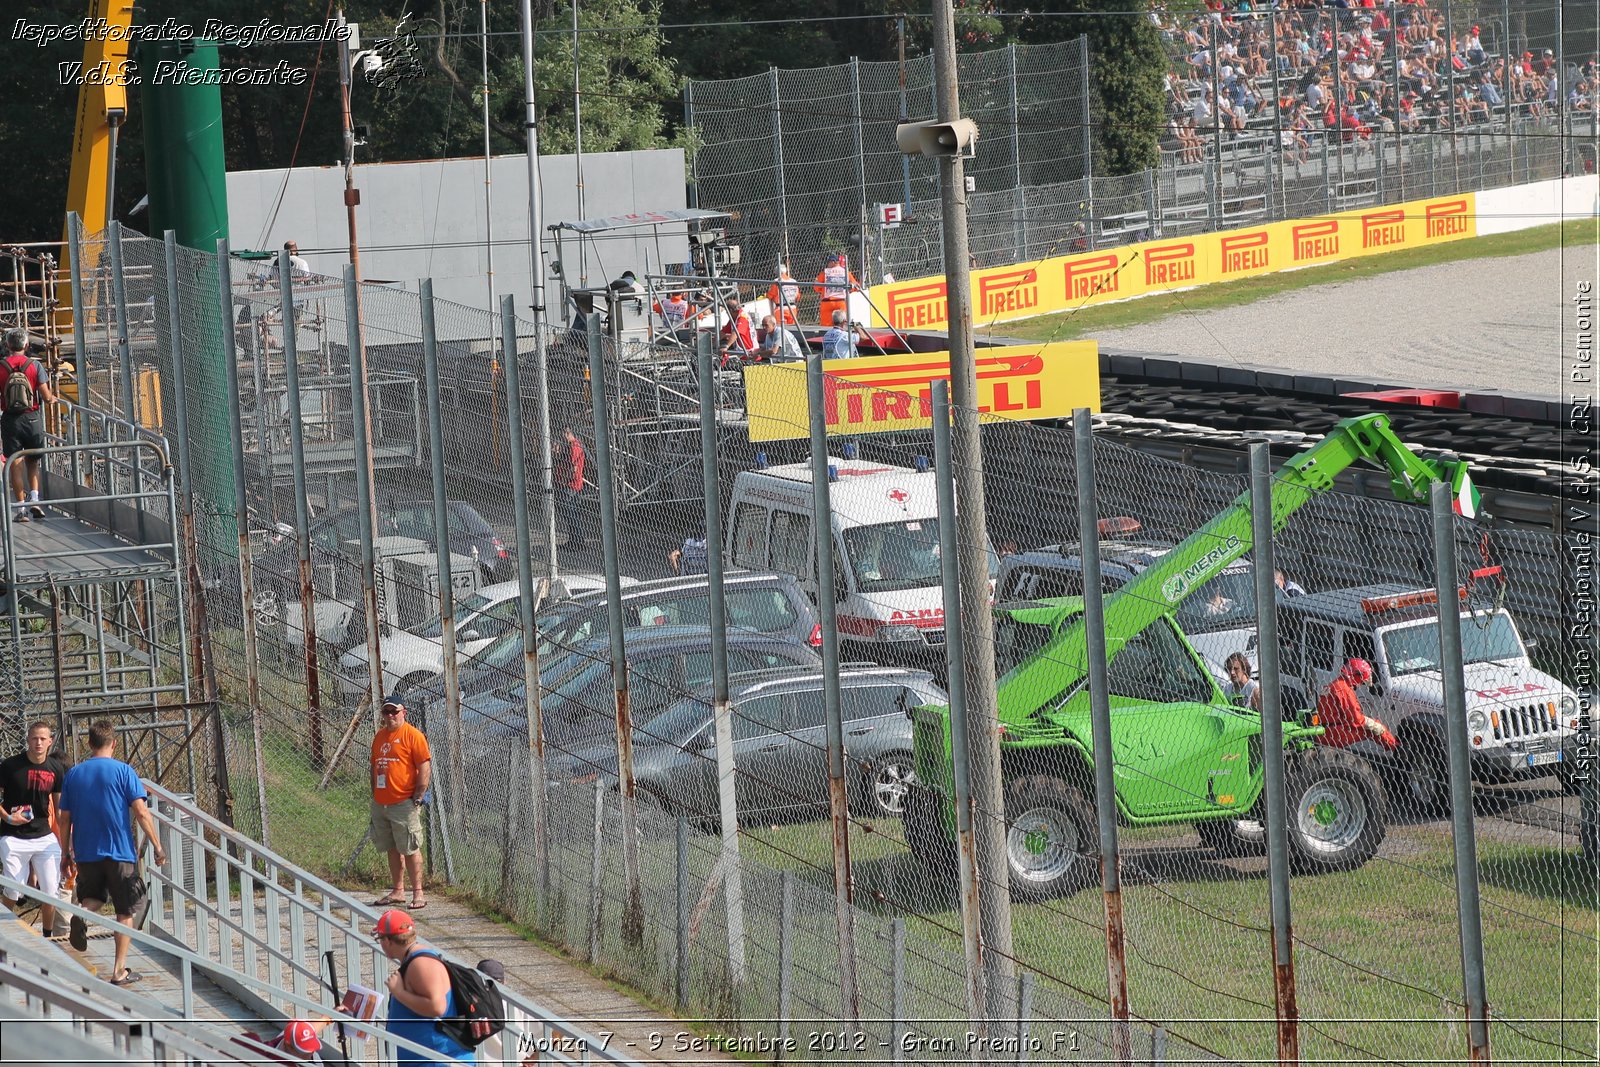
(877, 394)
(1000, 294)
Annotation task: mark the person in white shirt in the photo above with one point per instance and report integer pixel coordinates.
(297, 262)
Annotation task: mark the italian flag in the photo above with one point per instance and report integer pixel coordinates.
(1466, 494)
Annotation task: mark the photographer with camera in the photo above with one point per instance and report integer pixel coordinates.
(25, 390)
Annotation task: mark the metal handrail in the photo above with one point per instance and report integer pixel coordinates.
(6, 524)
(264, 871)
(126, 1016)
(190, 962)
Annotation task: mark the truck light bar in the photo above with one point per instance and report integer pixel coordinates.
(1374, 604)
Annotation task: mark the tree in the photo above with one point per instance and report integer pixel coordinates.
(423, 105)
(1127, 64)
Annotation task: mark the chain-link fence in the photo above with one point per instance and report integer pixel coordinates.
(769, 838)
(1323, 109)
(802, 158)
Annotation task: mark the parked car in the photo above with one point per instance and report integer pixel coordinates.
(415, 657)
(772, 605)
(780, 745)
(664, 664)
(335, 555)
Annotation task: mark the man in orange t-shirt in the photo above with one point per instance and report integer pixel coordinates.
(402, 768)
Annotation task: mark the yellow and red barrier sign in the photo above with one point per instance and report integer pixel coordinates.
(877, 394)
(1018, 291)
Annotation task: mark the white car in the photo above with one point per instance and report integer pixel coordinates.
(415, 656)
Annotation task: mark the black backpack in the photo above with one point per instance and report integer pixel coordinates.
(19, 394)
(480, 1010)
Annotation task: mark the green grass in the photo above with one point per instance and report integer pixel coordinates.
(1069, 325)
(1378, 963)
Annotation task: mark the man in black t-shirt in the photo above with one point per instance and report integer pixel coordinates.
(30, 782)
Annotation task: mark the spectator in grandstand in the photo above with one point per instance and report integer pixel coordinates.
(834, 285)
(30, 782)
(840, 340)
(1474, 49)
(402, 769)
(1190, 148)
(26, 386)
(784, 295)
(97, 842)
(1339, 711)
(1578, 99)
(419, 992)
(1487, 91)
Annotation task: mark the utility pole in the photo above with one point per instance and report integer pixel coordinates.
(352, 195)
(541, 378)
(983, 747)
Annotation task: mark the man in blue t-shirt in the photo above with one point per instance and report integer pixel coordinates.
(97, 840)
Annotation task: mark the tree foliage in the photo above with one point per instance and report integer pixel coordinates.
(1127, 64)
(427, 102)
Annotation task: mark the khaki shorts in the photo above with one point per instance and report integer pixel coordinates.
(397, 827)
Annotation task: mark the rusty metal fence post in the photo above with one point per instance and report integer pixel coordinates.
(1105, 789)
(1453, 677)
(1272, 754)
(633, 910)
(838, 805)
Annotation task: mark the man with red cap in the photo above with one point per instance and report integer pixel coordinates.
(1340, 715)
(834, 284)
(297, 1044)
(419, 992)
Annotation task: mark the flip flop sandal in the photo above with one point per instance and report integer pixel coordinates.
(388, 900)
(128, 978)
(418, 905)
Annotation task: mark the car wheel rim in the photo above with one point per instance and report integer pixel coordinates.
(891, 785)
(1043, 843)
(1332, 816)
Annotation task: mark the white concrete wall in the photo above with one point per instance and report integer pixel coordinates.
(1520, 207)
(420, 220)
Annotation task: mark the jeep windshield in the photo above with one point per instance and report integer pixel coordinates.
(1414, 648)
(1226, 602)
(892, 556)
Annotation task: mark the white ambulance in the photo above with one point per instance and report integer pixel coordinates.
(885, 529)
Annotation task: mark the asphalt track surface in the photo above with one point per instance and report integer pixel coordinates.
(1502, 323)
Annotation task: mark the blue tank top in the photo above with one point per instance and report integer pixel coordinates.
(403, 1022)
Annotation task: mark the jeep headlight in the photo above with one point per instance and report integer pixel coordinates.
(1478, 722)
(1569, 711)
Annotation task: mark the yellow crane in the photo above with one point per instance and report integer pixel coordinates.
(102, 107)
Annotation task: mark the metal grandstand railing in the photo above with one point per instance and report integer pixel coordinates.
(255, 920)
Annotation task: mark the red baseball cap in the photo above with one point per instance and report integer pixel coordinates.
(300, 1036)
(394, 921)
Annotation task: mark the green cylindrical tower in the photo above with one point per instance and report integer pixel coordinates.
(187, 182)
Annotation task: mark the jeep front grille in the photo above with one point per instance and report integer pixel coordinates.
(1527, 720)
